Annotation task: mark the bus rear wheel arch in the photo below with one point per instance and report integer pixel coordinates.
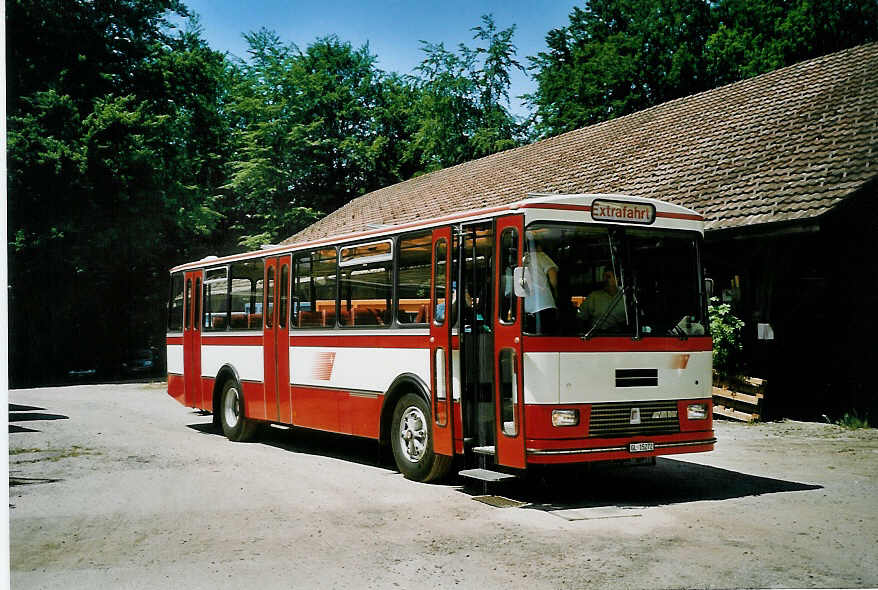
(411, 438)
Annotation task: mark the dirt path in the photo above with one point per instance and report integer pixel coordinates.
(118, 486)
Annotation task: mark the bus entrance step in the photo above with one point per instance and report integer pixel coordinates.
(485, 475)
(485, 450)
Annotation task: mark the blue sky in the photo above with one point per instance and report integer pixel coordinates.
(392, 28)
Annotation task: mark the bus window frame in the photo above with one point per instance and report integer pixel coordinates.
(228, 297)
(294, 275)
(426, 233)
(170, 306)
(357, 262)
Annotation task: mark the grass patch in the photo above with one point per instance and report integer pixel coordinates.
(13, 452)
(53, 454)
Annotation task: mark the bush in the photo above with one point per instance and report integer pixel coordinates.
(726, 331)
(852, 421)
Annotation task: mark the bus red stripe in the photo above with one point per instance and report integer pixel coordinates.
(562, 207)
(680, 216)
(558, 206)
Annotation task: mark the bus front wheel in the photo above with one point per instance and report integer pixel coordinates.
(236, 427)
(412, 441)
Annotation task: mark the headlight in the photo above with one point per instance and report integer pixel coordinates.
(565, 417)
(696, 411)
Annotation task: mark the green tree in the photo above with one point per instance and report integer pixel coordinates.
(617, 57)
(757, 36)
(463, 108)
(313, 129)
(112, 146)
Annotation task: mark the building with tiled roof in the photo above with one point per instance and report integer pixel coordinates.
(787, 145)
(783, 166)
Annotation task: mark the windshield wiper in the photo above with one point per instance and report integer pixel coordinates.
(678, 331)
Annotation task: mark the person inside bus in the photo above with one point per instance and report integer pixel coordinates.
(541, 311)
(440, 307)
(600, 300)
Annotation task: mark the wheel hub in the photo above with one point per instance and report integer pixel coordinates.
(413, 434)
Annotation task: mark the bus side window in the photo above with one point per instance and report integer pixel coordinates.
(439, 306)
(245, 301)
(269, 297)
(365, 284)
(216, 300)
(300, 313)
(413, 279)
(284, 289)
(314, 289)
(508, 261)
(186, 303)
(196, 314)
(175, 303)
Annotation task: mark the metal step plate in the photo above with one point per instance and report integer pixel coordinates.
(485, 475)
(491, 450)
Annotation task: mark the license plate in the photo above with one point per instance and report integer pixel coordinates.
(641, 447)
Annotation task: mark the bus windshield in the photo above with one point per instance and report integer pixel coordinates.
(587, 280)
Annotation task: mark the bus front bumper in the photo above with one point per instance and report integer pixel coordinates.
(585, 450)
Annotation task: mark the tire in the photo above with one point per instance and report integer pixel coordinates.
(412, 441)
(235, 426)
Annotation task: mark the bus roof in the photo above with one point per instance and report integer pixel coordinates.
(534, 206)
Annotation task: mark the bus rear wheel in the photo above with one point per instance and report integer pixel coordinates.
(412, 442)
(236, 427)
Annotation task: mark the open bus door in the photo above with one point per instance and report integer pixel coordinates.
(276, 339)
(440, 344)
(508, 382)
(192, 341)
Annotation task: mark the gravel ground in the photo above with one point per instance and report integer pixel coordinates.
(118, 486)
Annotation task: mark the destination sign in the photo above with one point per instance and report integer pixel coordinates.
(622, 211)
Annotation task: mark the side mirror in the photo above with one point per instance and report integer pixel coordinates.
(708, 287)
(521, 281)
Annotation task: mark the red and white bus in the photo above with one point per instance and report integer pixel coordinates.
(558, 329)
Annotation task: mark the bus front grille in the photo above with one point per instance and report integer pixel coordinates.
(633, 419)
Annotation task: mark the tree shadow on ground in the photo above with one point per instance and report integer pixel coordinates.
(669, 482)
(20, 413)
(30, 416)
(20, 408)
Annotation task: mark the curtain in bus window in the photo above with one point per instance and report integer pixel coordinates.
(216, 299)
(365, 284)
(175, 303)
(245, 301)
(413, 286)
